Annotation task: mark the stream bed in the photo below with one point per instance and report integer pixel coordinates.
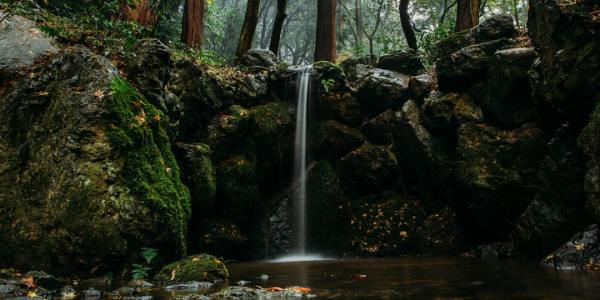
(422, 278)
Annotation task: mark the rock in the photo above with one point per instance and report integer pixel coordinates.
(6, 289)
(405, 62)
(327, 209)
(566, 77)
(228, 133)
(582, 252)
(443, 113)
(199, 267)
(332, 140)
(198, 174)
(380, 90)
(508, 100)
(332, 73)
(67, 292)
(190, 286)
(559, 207)
(238, 197)
(192, 106)
(440, 234)
(259, 59)
(149, 68)
(493, 28)
(221, 239)
(140, 284)
(343, 108)
(421, 86)
(91, 293)
(589, 142)
(367, 169)
(386, 224)
(463, 67)
(496, 173)
(121, 292)
(21, 45)
(380, 130)
(349, 65)
(493, 250)
(95, 166)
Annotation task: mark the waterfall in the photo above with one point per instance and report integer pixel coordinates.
(300, 159)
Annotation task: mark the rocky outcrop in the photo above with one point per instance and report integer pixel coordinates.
(200, 267)
(332, 140)
(582, 252)
(87, 170)
(405, 62)
(367, 169)
(380, 90)
(259, 59)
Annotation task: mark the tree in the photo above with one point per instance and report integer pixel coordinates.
(467, 14)
(141, 12)
(248, 28)
(193, 23)
(409, 32)
(278, 26)
(325, 43)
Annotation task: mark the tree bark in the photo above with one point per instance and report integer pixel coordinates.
(193, 23)
(141, 13)
(278, 26)
(360, 27)
(467, 14)
(248, 28)
(325, 38)
(409, 32)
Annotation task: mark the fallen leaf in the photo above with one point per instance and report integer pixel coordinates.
(28, 281)
(274, 289)
(173, 274)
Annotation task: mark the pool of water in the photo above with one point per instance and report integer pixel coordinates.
(421, 278)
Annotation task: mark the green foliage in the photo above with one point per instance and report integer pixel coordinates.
(149, 254)
(199, 56)
(429, 41)
(141, 271)
(327, 84)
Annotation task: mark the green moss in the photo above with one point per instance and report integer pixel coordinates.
(200, 267)
(271, 120)
(137, 130)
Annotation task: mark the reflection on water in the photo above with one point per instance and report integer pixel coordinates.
(423, 278)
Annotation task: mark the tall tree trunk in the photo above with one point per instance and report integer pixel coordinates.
(248, 28)
(141, 13)
(360, 27)
(193, 23)
(325, 42)
(515, 7)
(409, 32)
(467, 14)
(278, 26)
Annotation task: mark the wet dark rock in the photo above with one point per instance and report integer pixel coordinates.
(228, 133)
(444, 112)
(200, 268)
(582, 252)
(349, 65)
(218, 238)
(332, 74)
(342, 107)
(405, 62)
(328, 214)
(559, 207)
(380, 130)
(86, 145)
(190, 286)
(367, 169)
(149, 67)
(441, 234)
(332, 140)
(259, 59)
(380, 90)
(386, 224)
(198, 174)
(566, 77)
(589, 142)
(421, 86)
(493, 28)
(67, 292)
(6, 289)
(121, 292)
(493, 250)
(278, 229)
(91, 293)
(508, 100)
(496, 173)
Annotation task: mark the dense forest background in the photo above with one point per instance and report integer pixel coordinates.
(363, 27)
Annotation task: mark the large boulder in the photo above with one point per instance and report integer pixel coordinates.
(342, 107)
(367, 169)
(496, 173)
(386, 224)
(87, 175)
(566, 78)
(259, 59)
(229, 133)
(582, 252)
(444, 112)
(421, 86)
(405, 62)
(441, 234)
(199, 267)
(380, 130)
(332, 140)
(350, 65)
(493, 28)
(380, 90)
(21, 45)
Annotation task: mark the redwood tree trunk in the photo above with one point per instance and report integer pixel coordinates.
(467, 14)
(193, 23)
(409, 32)
(141, 13)
(248, 28)
(278, 26)
(325, 43)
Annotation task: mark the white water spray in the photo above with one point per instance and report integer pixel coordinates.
(300, 159)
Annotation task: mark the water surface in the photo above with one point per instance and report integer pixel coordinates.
(422, 278)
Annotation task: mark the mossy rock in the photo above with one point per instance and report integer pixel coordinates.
(199, 267)
(229, 132)
(198, 174)
(332, 140)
